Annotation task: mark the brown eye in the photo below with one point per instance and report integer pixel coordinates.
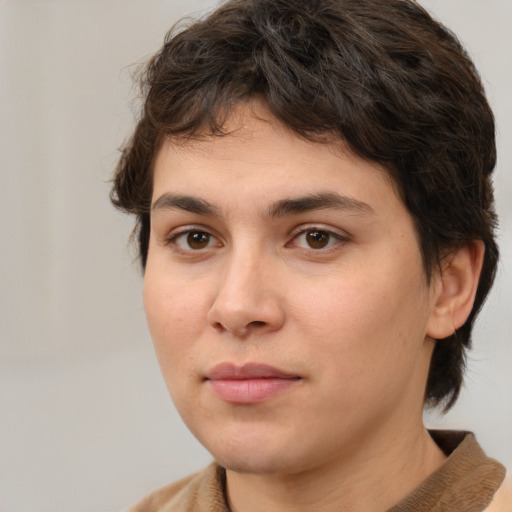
(194, 240)
(318, 239)
(198, 240)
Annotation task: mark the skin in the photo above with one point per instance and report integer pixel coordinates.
(352, 319)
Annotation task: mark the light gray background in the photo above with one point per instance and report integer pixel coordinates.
(86, 424)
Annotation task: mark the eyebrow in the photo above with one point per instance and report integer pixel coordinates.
(281, 208)
(188, 203)
(319, 201)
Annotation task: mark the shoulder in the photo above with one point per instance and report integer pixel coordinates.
(468, 480)
(201, 491)
(156, 500)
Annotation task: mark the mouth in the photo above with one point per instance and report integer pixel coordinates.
(248, 384)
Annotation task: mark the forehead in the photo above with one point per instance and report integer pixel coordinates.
(257, 150)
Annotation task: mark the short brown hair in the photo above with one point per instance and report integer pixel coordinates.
(381, 75)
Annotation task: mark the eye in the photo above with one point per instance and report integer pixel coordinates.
(317, 239)
(194, 240)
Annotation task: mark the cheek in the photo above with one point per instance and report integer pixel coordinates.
(173, 319)
(365, 325)
(171, 303)
(176, 317)
(351, 306)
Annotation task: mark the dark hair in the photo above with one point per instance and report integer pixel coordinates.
(381, 75)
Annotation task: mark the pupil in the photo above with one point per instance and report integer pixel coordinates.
(198, 240)
(317, 239)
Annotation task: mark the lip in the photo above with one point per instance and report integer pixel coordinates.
(251, 383)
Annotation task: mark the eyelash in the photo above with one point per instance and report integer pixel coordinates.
(175, 237)
(334, 239)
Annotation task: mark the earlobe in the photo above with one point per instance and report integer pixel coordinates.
(456, 289)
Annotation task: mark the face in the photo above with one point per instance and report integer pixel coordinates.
(285, 296)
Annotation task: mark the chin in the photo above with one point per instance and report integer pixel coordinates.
(253, 463)
(256, 454)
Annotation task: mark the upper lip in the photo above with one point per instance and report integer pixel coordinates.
(231, 371)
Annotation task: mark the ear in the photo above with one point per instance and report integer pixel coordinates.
(455, 289)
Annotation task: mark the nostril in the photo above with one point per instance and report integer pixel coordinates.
(242, 331)
(218, 326)
(257, 323)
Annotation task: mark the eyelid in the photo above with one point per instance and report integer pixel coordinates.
(184, 230)
(337, 232)
(341, 236)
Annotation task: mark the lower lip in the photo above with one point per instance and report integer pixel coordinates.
(249, 391)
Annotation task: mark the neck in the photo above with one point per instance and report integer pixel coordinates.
(376, 476)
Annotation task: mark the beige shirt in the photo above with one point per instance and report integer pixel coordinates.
(468, 481)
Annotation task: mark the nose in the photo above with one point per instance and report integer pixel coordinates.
(247, 299)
